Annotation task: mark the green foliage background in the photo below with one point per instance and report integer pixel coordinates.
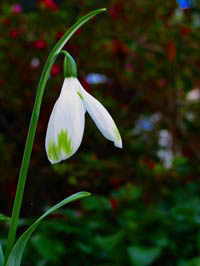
(141, 213)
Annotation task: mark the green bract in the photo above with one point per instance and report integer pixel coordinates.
(70, 69)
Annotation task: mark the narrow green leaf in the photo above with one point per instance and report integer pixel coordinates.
(16, 253)
(4, 218)
(1, 256)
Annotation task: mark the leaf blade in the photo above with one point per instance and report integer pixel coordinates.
(16, 253)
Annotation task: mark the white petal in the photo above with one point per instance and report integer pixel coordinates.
(101, 117)
(66, 124)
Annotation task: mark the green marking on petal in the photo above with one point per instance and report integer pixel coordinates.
(64, 145)
(117, 134)
(64, 142)
(53, 151)
(80, 95)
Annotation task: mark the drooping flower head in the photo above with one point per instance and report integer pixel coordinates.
(67, 121)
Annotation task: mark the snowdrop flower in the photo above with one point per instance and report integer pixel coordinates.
(66, 124)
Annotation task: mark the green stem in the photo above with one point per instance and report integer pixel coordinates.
(33, 125)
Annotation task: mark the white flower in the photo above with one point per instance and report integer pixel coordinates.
(67, 121)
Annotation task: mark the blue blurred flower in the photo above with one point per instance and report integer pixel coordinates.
(96, 78)
(145, 124)
(184, 4)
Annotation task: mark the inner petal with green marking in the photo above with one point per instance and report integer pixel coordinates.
(80, 95)
(64, 146)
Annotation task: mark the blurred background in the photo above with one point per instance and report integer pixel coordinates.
(141, 59)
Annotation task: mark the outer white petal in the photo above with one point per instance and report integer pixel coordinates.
(100, 115)
(66, 124)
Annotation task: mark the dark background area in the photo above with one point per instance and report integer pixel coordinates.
(141, 59)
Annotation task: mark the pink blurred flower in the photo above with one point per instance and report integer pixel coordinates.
(55, 70)
(16, 8)
(49, 4)
(193, 95)
(128, 67)
(35, 62)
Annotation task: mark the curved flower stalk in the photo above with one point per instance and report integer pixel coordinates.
(30, 139)
(67, 121)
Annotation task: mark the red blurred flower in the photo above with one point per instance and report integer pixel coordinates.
(151, 165)
(2, 82)
(37, 147)
(72, 48)
(6, 22)
(171, 51)
(185, 31)
(187, 152)
(49, 4)
(116, 181)
(79, 31)
(149, 162)
(40, 44)
(116, 10)
(85, 84)
(13, 33)
(162, 83)
(119, 47)
(10, 188)
(114, 203)
(59, 35)
(55, 70)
